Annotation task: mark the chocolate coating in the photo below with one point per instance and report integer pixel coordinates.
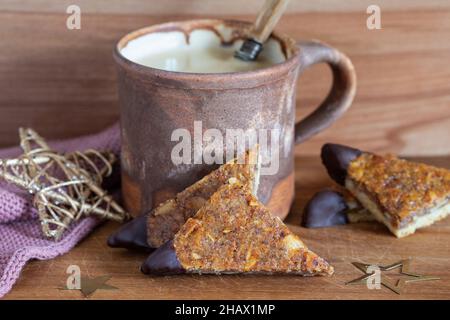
(325, 209)
(336, 159)
(132, 235)
(163, 261)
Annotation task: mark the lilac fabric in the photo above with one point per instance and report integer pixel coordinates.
(21, 238)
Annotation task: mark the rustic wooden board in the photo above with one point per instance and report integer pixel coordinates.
(364, 242)
(62, 82)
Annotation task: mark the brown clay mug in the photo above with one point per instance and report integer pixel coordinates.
(155, 102)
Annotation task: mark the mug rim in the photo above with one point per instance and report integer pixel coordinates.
(225, 80)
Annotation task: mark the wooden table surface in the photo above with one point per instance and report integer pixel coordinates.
(364, 242)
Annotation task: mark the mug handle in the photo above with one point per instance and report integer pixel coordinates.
(340, 96)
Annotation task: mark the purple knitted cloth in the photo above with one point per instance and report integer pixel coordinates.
(21, 238)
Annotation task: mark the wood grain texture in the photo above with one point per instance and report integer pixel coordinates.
(170, 7)
(268, 16)
(363, 242)
(63, 82)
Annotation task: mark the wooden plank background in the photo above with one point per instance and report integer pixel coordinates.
(62, 82)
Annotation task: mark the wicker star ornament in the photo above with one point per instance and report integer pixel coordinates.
(65, 187)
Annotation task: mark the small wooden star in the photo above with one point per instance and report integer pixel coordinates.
(89, 285)
(65, 187)
(396, 287)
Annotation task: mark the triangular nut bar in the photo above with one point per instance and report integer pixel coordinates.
(234, 233)
(402, 194)
(166, 219)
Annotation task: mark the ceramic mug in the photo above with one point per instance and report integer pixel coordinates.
(154, 103)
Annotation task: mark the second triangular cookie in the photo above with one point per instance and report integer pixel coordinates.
(166, 219)
(403, 195)
(234, 233)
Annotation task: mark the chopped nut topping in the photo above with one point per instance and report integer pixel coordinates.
(260, 242)
(232, 180)
(401, 188)
(292, 243)
(195, 203)
(196, 256)
(191, 226)
(164, 221)
(165, 207)
(249, 264)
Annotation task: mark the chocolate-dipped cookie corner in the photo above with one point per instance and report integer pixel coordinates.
(132, 235)
(163, 261)
(325, 209)
(336, 159)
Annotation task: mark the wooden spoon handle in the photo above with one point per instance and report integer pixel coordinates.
(267, 19)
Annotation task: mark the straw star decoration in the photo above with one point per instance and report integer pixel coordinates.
(65, 187)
